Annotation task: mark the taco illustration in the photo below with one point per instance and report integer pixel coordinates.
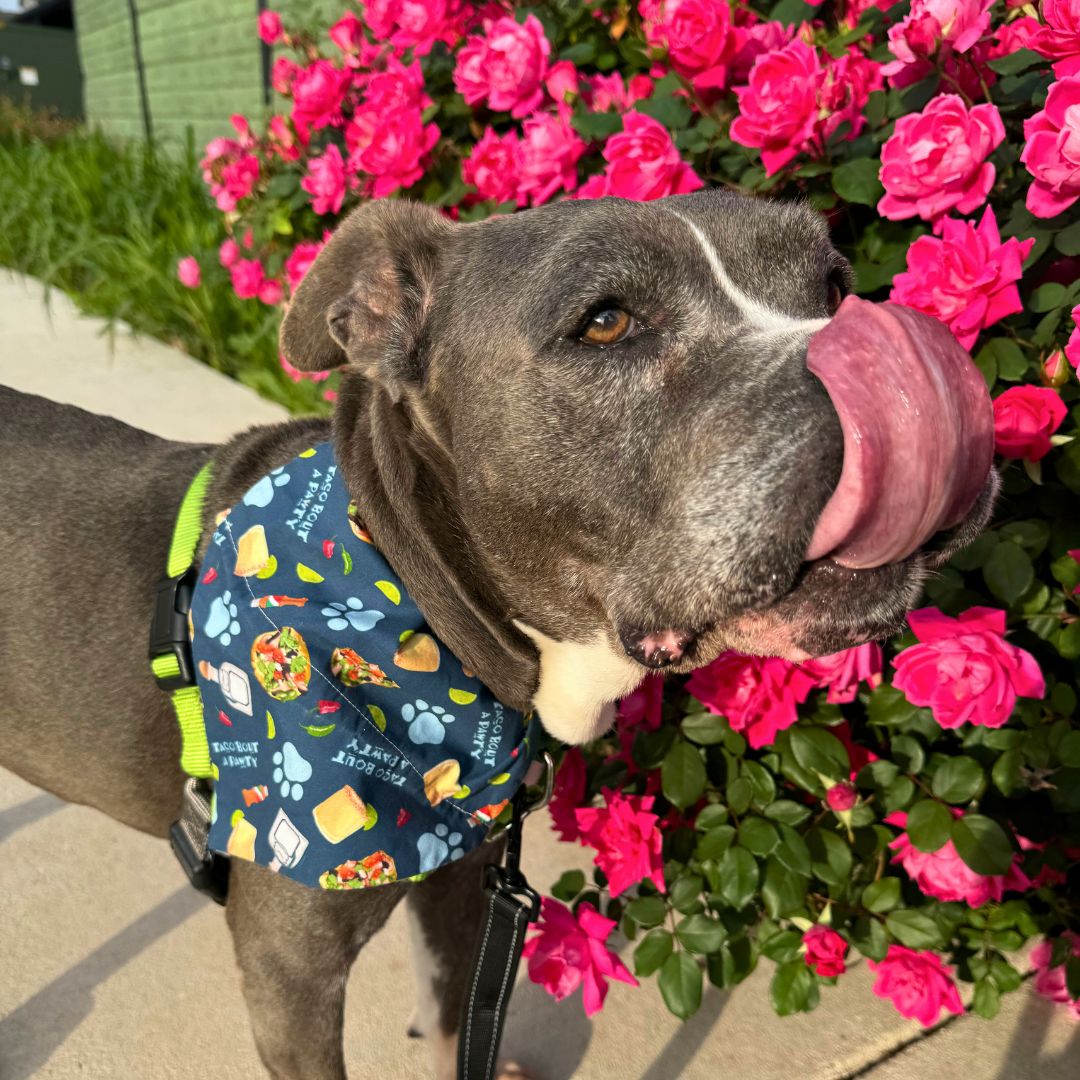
(377, 869)
(418, 652)
(442, 781)
(357, 525)
(281, 663)
(485, 815)
(252, 554)
(353, 670)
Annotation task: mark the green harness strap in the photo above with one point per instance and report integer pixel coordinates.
(195, 751)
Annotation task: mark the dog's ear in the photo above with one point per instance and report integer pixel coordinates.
(365, 299)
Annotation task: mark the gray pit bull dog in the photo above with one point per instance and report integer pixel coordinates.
(589, 439)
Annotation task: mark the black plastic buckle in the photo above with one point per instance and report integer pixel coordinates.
(208, 872)
(507, 883)
(169, 628)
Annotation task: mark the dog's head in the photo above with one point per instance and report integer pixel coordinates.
(619, 400)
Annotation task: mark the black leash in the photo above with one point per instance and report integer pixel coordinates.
(511, 906)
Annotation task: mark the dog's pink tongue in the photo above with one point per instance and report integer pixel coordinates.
(918, 432)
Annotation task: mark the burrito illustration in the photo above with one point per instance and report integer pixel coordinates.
(287, 843)
(233, 682)
(353, 670)
(242, 840)
(281, 663)
(252, 554)
(343, 813)
(377, 869)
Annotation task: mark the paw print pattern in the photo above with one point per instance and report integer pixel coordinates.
(341, 616)
(262, 493)
(292, 772)
(426, 722)
(438, 847)
(221, 619)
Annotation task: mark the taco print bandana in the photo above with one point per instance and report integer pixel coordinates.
(350, 746)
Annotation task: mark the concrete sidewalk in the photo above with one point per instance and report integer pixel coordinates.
(113, 969)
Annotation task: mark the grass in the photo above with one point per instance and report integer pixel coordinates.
(107, 221)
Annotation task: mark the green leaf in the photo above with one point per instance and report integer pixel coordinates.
(568, 886)
(738, 877)
(704, 728)
(1047, 297)
(710, 816)
(869, 937)
(1006, 771)
(1068, 750)
(818, 751)
(673, 112)
(653, 949)
(787, 812)
(888, 706)
(882, 895)
(793, 852)
(781, 947)
(757, 835)
(732, 963)
(1008, 572)
(987, 1000)
(682, 775)
(783, 892)
(1067, 241)
(908, 753)
(596, 125)
(761, 781)
(793, 988)
(715, 842)
(830, 856)
(958, 779)
(1014, 63)
(856, 181)
(929, 825)
(983, 844)
(1068, 641)
(647, 910)
(740, 792)
(1009, 360)
(680, 984)
(685, 893)
(914, 929)
(700, 934)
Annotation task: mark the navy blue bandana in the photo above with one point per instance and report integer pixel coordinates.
(350, 747)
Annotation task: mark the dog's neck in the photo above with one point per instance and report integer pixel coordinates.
(406, 495)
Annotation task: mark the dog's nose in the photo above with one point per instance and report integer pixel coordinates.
(656, 648)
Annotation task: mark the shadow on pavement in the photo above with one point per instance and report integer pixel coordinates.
(33, 1032)
(679, 1051)
(1026, 1057)
(26, 813)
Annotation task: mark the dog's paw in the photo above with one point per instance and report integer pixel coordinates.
(221, 619)
(438, 847)
(426, 722)
(341, 616)
(291, 772)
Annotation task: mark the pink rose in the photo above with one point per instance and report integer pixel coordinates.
(841, 797)
(701, 40)
(283, 73)
(1052, 150)
(843, 671)
(644, 708)
(943, 875)
(317, 92)
(778, 110)
(824, 951)
(299, 261)
(229, 252)
(247, 278)
(548, 157)
(1059, 39)
(964, 670)
(1024, 419)
(422, 23)
(1013, 36)
(1072, 348)
(847, 87)
(381, 16)
(954, 25)
(506, 67)
(390, 146)
(398, 87)
(643, 162)
(568, 794)
(568, 952)
(562, 83)
(754, 41)
(1050, 981)
(966, 277)
(270, 28)
(492, 167)
(271, 292)
(935, 160)
(758, 695)
(187, 270)
(287, 141)
(918, 984)
(1056, 365)
(604, 93)
(348, 34)
(238, 180)
(627, 842)
(325, 181)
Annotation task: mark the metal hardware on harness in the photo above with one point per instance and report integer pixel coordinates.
(169, 629)
(207, 871)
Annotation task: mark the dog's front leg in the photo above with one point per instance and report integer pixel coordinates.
(295, 946)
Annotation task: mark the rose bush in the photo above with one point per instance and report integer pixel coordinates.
(920, 805)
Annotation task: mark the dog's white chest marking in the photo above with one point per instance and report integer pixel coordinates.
(763, 318)
(579, 683)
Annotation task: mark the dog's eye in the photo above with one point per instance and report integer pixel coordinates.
(836, 290)
(609, 327)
